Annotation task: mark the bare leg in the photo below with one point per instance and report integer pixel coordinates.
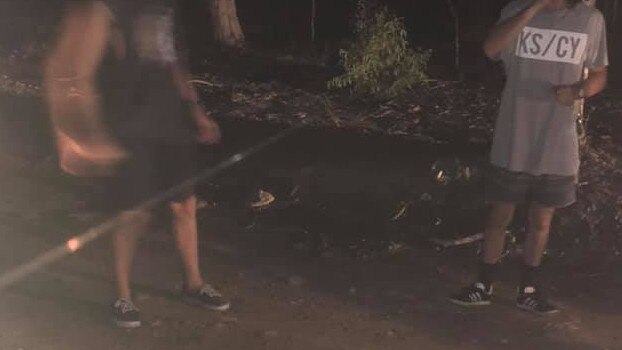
(185, 228)
(124, 243)
(537, 238)
(480, 292)
(494, 236)
(529, 299)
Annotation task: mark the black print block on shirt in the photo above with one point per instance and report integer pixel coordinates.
(551, 45)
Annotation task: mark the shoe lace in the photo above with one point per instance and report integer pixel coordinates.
(125, 306)
(209, 290)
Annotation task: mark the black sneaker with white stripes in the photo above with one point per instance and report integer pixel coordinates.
(474, 295)
(126, 314)
(206, 296)
(530, 299)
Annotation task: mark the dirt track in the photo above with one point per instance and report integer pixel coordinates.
(281, 300)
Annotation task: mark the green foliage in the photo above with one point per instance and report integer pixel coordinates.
(380, 62)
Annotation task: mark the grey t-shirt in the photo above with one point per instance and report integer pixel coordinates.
(534, 134)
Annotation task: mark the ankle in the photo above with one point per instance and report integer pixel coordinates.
(194, 284)
(486, 288)
(124, 295)
(487, 274)
(527, 290)
(529, 277)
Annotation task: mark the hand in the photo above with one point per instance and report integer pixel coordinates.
(100, 158)
(208, 132)
(566, 95)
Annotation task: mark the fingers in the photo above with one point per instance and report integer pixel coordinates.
(209, 136)
(564, 95)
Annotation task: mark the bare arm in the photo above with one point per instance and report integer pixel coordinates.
(182, 78)
(594, 84)
(208, 131)
(70, 70)
(84, 144)
(503, 34)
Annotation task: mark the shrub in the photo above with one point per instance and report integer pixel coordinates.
(379, 62)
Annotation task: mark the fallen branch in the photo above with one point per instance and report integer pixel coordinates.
(446, 243)
(204, 82)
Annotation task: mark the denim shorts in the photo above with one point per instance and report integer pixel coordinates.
(553, 191)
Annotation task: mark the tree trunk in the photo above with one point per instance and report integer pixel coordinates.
(226, 25)
(456, 18)
(313, 14)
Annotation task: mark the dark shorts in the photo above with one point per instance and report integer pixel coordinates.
(152, 169)
(552, 191)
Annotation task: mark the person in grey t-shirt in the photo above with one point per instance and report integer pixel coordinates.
(544, 45)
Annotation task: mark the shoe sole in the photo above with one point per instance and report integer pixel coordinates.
(127, 324)
(539, 313)
(468, 304)
(264, 201)
(195, 302)
(225, 307)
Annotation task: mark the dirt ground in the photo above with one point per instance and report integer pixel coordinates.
(327, 274)
(282, 298)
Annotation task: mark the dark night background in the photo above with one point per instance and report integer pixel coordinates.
(283, 26)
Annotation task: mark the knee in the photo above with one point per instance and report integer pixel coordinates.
(541, 226)
(500, 217)
(540, 219)
(185, 208)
